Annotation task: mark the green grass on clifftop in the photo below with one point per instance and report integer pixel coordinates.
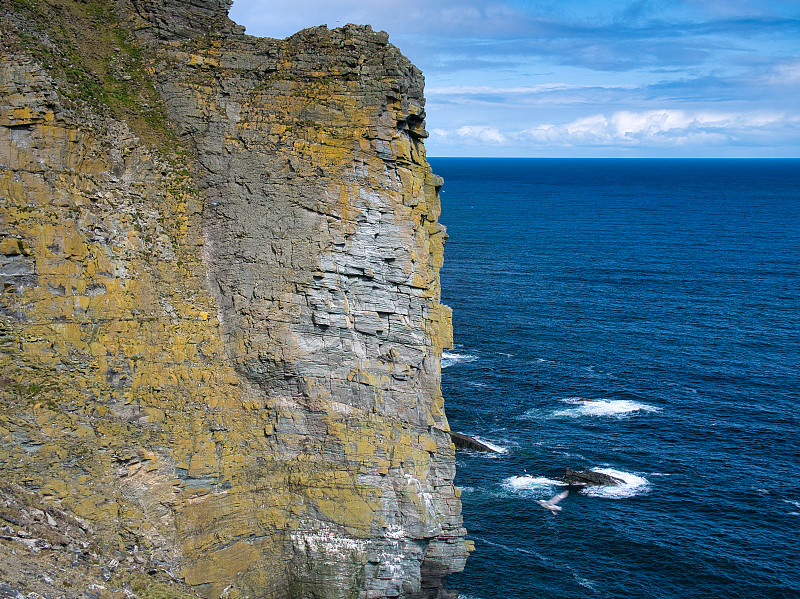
(94, 58)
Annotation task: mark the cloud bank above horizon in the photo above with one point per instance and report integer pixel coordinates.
(586, 78)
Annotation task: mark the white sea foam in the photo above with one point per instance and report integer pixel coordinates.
(580, 406)
(532, 414)
(526, 482)
(633, 485)
(450, 358)
(477, 384)
(492, 446)
(584, 582)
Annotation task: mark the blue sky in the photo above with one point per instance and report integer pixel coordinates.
(591, 78)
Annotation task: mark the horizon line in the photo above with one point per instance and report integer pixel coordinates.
(617, 157)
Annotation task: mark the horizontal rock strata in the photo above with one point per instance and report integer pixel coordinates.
(220, 323)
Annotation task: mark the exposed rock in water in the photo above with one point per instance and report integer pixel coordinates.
(590, 477)
(462, 441)
(220, 331)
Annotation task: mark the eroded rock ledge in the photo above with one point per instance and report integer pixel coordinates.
(221, 329)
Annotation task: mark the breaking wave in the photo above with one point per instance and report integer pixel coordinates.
(492, 446)
(529, 483)
(633, 485)
(580, 406)
(450, 358)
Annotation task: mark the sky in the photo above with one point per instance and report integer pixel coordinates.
(589, 78)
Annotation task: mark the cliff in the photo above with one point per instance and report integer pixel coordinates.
(221, 331)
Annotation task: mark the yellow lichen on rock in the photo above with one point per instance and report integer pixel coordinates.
(226, 359)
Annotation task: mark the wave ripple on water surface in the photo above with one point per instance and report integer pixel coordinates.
(638, 318)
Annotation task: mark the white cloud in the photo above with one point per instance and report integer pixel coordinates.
(472, 133)
(471, 90)
(785, 74)
(482, 133)
(660, 128)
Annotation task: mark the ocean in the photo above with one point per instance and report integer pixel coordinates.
(640, 318)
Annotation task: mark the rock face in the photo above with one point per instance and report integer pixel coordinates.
(221, 329)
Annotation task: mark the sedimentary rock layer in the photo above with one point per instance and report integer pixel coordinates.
(221, 329)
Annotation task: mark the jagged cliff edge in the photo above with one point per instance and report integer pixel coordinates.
(221, 331)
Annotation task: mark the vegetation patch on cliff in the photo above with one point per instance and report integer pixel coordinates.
(87, 48)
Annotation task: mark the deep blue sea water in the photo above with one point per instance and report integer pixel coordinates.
(636, 316)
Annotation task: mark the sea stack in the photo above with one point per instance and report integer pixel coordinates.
(221, 328)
